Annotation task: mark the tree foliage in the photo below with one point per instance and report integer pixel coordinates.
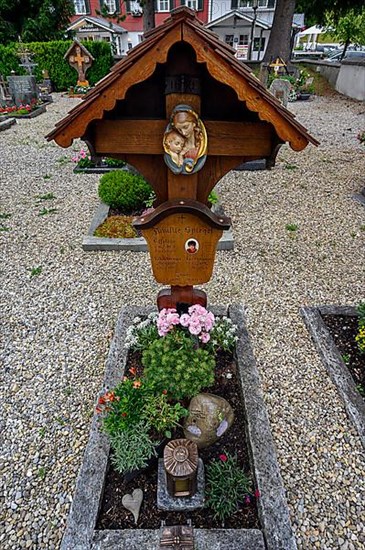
(34, 20)
(349, 29)
(315, 12)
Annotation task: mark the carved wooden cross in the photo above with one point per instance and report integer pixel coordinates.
(126, 115)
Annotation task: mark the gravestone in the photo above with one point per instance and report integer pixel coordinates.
(3, 92)
(23, 89)
(280, 88)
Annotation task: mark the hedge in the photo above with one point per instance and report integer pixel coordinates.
(49, 56)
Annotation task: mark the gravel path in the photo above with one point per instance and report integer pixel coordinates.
(59, 306)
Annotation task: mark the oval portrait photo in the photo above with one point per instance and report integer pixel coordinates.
(191, 246)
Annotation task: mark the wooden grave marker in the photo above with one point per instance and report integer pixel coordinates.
(182, 73)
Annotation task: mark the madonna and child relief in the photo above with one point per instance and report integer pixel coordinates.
(185, 141)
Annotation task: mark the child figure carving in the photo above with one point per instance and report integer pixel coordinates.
(191, 156)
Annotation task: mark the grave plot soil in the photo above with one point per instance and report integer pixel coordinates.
(113, 515)
(343, 330)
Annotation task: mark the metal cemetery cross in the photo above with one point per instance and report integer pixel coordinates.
(184, 111)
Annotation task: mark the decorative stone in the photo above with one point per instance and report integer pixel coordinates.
(210, 416)
(133, 503)
(166, 502)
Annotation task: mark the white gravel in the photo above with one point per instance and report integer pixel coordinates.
(57, 325)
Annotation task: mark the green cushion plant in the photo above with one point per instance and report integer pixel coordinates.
(124, 191)
(174, 364)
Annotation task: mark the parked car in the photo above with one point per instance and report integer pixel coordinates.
(350, 54)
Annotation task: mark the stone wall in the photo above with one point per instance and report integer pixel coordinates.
(351, 79)
(347, 78)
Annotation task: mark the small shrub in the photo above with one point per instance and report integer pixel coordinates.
(142, 333)
(116, 227)
(132, 448)
(161, 414)
(227, 485)
(121, 408)
(223, 335)
(173, 363)
(114, 163)
(123, 190)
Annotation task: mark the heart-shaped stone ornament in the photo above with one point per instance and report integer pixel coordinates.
(133, 503)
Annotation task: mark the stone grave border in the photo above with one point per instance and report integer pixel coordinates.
(276, 533)
(137, 244)
(360, 197)
(332, 360)
(97, 169)
(5, 124)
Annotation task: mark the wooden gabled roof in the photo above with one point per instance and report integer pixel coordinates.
(141, 62)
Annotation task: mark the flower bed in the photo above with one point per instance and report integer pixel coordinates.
(275, 529)
(23, 111)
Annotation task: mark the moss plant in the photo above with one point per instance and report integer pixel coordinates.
(116, 227)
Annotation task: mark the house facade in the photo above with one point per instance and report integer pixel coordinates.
(243, 24)
(126, 34)
(246, 25)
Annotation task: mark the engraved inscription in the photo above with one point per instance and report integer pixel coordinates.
(182, 249)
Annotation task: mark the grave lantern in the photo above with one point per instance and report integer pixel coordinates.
(181, 467)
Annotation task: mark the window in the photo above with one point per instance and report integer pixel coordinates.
(80, 7)
(196, 5)
(111, 5)
(243, 40)
(193, 4)
(257, 45)
(163, 5)
(229, 39)
(249, 3)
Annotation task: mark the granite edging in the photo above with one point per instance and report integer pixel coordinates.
(332, 360)
(80, 533)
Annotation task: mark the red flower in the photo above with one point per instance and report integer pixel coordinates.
(101, 400)
(98, 410)
(223, 458)
(124, 415)
(137, 384)
(109, 396)
(133, 371)
(164, 392)
(257, 493)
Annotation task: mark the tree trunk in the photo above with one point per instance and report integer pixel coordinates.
(148, 15)
(345, 46)
(280, 35)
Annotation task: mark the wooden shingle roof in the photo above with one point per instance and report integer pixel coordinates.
(141, 62)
